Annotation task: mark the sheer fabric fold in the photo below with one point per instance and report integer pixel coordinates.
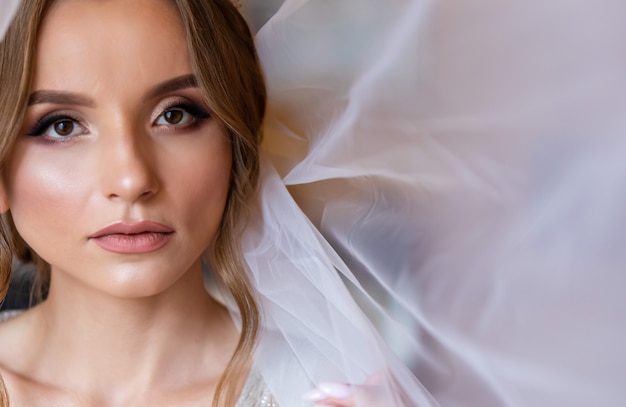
(465, 162)
(8, 8)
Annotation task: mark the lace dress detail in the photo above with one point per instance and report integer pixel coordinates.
(255, 392)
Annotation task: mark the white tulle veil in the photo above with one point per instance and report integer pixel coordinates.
(442, 200)
(7, 9)
(466, 162)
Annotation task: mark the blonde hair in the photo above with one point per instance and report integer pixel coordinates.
(227, 69)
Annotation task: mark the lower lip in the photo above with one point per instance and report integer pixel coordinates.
(133, 244)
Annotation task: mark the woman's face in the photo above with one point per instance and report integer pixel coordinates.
(120, 176)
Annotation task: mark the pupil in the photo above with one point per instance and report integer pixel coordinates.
(64, 128)
(173, 116)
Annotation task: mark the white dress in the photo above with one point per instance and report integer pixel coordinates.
(255, 392)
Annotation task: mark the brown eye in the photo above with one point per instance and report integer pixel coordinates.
(64, 127)
(181, 115)
(57, 127)
(173, 116)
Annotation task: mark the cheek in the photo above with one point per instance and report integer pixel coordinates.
(203, 189)
(42, 193)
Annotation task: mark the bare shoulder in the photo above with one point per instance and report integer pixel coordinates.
(13, 337)
(24, 392)
(15, 333)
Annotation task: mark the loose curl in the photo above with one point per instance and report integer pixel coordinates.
(224, 60)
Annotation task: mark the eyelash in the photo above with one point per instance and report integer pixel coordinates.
(49, 120)
(197, 113)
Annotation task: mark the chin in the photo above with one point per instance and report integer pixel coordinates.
(130, 280)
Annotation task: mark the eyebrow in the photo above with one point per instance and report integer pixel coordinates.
(58, 97)
(74, 99)
(181, 82)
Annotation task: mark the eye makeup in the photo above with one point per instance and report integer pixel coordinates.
(47, 121)
(196, 112)
(191, 113)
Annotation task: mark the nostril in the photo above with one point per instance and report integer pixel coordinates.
(147, 193)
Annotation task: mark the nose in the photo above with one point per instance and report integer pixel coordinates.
(127, 166)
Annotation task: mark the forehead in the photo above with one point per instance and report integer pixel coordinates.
(110, 44)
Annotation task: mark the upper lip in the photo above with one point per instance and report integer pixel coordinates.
(131, 228)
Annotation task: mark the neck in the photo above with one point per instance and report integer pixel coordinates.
(167, 341)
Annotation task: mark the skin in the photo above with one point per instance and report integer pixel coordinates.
(112, 331)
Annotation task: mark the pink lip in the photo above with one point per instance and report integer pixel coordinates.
(133, 238)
